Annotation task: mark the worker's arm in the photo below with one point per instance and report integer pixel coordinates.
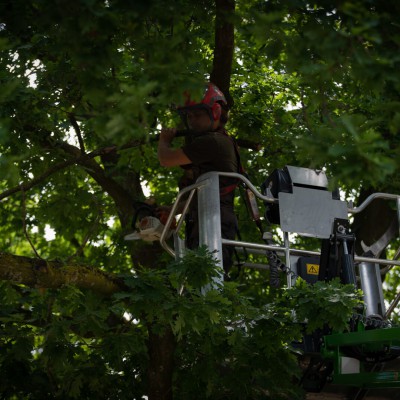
(168, 156)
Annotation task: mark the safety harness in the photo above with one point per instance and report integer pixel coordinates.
(275, 263)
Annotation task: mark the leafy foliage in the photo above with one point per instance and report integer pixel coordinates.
(333, 303)
(75, 344)
(85, 86)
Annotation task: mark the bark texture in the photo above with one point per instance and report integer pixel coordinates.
(39, 273)
(224, 47)
(161, 362)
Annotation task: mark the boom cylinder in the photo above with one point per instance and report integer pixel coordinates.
(371, 285)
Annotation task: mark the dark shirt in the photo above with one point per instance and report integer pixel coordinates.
(213, 151)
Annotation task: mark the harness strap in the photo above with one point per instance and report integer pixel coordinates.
(230, 188)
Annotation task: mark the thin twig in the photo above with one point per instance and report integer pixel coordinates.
(89, 234)
(24, 224)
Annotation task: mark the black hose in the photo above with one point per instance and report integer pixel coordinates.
(275, 263)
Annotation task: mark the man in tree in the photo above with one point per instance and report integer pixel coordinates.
(209, 148)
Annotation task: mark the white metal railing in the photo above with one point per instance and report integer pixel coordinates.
(207, 189)
(210, 179)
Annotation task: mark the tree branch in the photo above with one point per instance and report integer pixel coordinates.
(78, 159)
(29, 185)
(119, 194)
(39, 273)
(75, 125)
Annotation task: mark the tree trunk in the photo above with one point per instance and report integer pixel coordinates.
(161, 355)
(224, 47)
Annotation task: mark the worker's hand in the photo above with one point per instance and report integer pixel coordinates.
(162, 213)
(167, 134)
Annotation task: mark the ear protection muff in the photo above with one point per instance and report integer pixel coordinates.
(216, 111)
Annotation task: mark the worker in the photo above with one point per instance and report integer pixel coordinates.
(209, 149)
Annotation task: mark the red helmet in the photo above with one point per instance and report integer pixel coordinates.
(212, 100)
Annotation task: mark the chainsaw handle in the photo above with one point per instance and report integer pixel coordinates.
(183, 132)
(179, 133)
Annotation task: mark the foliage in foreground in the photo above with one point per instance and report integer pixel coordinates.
(315, 84)
(73, 344)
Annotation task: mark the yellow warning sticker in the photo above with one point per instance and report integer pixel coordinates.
(312, 269)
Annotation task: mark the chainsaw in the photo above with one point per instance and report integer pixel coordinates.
(148, 223)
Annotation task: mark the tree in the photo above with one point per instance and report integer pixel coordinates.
(85, 86)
